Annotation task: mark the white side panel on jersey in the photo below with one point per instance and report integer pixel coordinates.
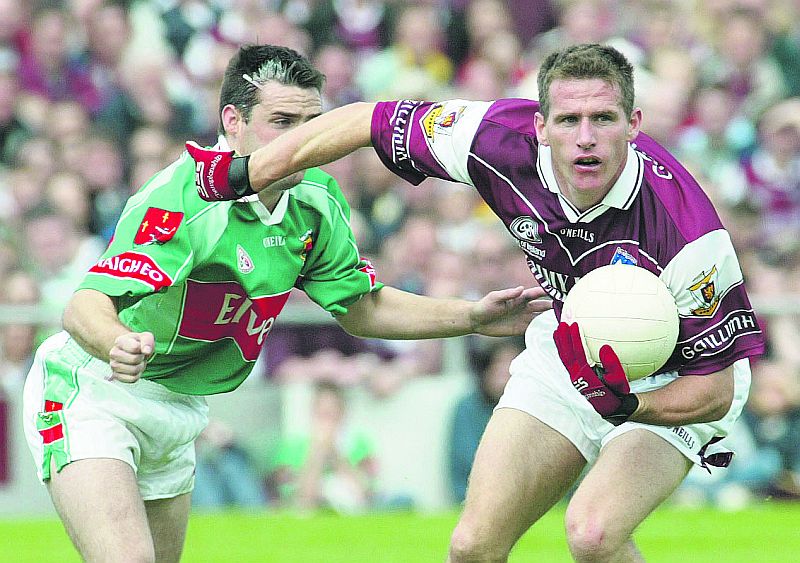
(702, 273)
(448, 142)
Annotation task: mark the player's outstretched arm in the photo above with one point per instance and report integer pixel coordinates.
(223, 176)
(91, 319)
(398, 315)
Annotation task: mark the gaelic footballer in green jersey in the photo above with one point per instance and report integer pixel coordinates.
(209, 279)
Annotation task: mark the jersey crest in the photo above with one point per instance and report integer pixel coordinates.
(243, 260)
(158, 226)
(704, 292)
(308, 243)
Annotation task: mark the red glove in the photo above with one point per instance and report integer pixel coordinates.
(605, 388)
(218, 174)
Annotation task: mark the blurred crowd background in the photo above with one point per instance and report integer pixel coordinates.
(97, 95)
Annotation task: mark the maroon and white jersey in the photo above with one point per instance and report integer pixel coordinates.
(656, 216)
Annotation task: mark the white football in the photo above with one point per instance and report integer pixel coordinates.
(629, 308)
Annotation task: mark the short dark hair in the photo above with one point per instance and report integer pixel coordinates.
(262, 64)
(587, 60)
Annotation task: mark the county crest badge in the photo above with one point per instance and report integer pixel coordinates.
(243, 260)
(158, 226)
(704, 292)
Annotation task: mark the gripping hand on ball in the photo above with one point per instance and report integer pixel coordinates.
(605, 388)
(219, 175)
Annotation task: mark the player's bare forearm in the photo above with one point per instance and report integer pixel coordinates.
(91, 319)
(688, 399)
(398, 315)
(324, 139)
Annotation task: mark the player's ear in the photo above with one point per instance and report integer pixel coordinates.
(232, 119)
(539, 125)
(634, 123)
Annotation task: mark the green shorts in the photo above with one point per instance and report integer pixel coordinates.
(72, 412)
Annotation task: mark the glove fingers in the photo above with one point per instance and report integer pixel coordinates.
(614, 376)
(562, 339)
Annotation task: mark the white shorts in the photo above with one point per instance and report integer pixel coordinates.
(72, 412)
(540, 386)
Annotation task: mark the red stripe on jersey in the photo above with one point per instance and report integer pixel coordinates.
(369, 269)
(135, 266)
(52, 434)
(52, 406)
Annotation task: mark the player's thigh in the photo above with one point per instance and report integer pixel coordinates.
(168, 518)
(98, 500)
(521, 469)
(634, 473)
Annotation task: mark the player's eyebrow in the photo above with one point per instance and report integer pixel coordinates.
(292, 116)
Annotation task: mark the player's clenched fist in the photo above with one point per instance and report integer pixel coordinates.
(219, 175)
(129, 355)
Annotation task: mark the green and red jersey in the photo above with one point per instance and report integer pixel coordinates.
(208, 279)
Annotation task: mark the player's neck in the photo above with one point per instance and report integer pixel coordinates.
(270, 199)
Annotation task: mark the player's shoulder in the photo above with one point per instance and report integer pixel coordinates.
(318, 190)
(513, 113)
(676, 188)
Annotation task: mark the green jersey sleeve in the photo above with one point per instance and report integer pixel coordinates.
(335, 275)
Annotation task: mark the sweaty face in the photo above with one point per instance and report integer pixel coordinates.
(588, 133)
(281, 108)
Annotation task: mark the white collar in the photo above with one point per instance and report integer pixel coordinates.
(620, 196)
(264, 214)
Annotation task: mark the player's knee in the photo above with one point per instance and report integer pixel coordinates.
(470, 544)
(589, 539)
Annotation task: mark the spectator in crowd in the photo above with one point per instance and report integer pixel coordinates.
(13, 131)
(361, 26)
(333, 466)
(48, 68)
(772, 176)
(103, 169)
(66, 193)
(59, 254)
(742, 62)
(786, 44)
(490, 361)
(714, 140)
(225, 475)
(414, 65)
(773, 414)
(18, 339)
(338, 64)
(578, 21)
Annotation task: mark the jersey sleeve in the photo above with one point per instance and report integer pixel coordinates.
(151, 248)
(717, 323)
(420, 139)
(335, 275)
